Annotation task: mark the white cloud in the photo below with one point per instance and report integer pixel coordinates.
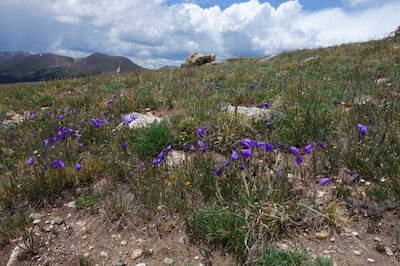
(147, 29)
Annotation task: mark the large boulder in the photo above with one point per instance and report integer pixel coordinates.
(197, 59)
(394, 34)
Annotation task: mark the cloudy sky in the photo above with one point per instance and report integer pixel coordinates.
(166, 31)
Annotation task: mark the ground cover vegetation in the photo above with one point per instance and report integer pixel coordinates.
(331, 124)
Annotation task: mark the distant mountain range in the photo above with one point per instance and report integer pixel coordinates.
(25, 67)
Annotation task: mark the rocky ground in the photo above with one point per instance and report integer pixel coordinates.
(71, 235)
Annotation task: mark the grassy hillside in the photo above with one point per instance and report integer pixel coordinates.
(342, 100)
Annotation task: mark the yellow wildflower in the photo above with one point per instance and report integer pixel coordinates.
(187, 183)
(172, 177)
(166, 182)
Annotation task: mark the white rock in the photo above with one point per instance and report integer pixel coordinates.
(356, 252)
(14, 255)
(284, 247)
(388, 251)
(143, 120)
(137, 253)
(254, 113)
(175, 158)
(104, 254)
(71, 204)
(168, 261)
(378, 239)
(123, 242)
(370, 260)
(141, 264)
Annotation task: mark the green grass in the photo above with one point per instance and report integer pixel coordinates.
(314, 95)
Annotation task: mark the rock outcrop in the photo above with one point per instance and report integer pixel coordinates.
(197, 59)
(394, 34)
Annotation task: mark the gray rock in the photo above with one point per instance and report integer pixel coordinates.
(197, 59)
(175, 158)
(71, 204)
(58, 220)
(394, 34)
(168, 261)
(118, 262)
(388, 251)
(34, 216)
(143, 120)
(137, 253)
(13, 260)
(252, 113)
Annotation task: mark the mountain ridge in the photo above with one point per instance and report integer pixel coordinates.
(25, 67)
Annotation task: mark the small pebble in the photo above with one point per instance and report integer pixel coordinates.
(370, 260)
(36, 221)
(341, 251)
(378, 239)
(321, 234)
(136, 253)
(358, 253)
(123, 242)
(103, 254)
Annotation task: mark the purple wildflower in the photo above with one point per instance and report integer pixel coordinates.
(246, 153)
(321, 145)
(141, 166)
(105, 122)
(200, 132)
(247, 142)
(58, 164)
(33, 117)
(269, 124)
(252, 85)
(46, 142)
(266, 105)
(234, 156)
(350, 173)
(96, 122)
(112, 117)
(81, 144)
(242, 166)
(30, 160)
(307, 149)
(280, 144)
(124, 144)
(155, 162)
(200, 144)
(8, 166)
(62, 117)
(324, 181)
(227, 164)
(218, 172)
(261, 145)
(294, 150)
(278, 174)
(44, 167)
(160, 156)
(77, 135)
(203, 151)
(104, 113)
(299, 160)
(110, 102)
(78, 167)
(169, 148)
(192, 148)
(185, 145)
(363, 129)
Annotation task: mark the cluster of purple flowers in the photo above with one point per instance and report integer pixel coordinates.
(246, 151)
